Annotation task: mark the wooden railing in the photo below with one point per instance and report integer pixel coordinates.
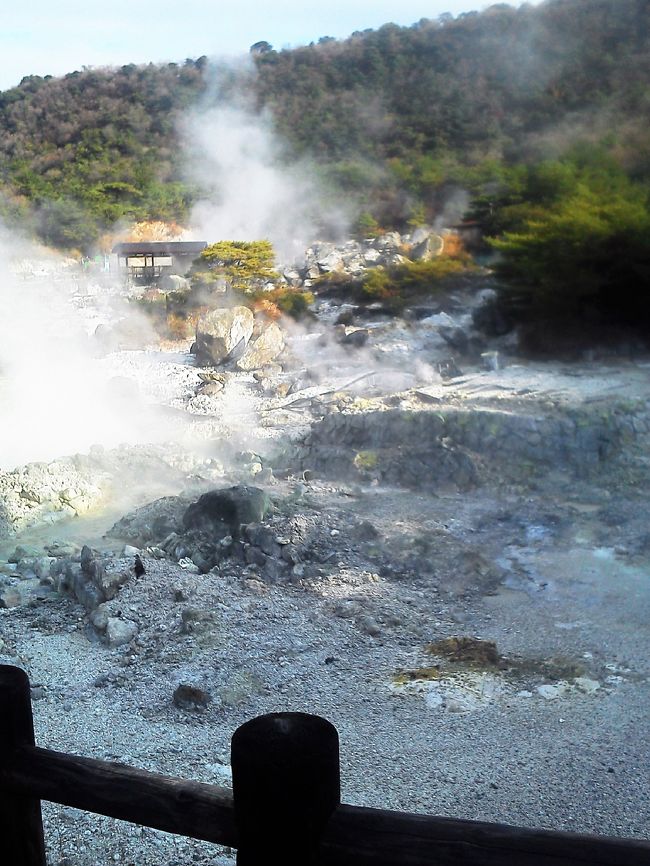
(284, 809)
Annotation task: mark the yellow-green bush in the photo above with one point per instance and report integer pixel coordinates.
(402, 284)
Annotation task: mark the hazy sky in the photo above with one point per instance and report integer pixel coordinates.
(46, 38)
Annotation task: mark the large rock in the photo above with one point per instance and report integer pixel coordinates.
(120, 631)
(421, 234)
(389, 241)
(331, 262)
(265, 349)
(371, 257)
(89, 582)
(427, 249)
(227, 509)
(222, 335)
(151, 523)
(292, 276)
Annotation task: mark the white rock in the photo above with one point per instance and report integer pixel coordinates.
(371, 256)
(188, 565)
(552, 692)
(120, 631)
(433, 699)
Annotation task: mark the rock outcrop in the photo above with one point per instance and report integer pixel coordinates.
(425, 448)
(223, 334)
(47, 492)
(355, 257)
(263, 350)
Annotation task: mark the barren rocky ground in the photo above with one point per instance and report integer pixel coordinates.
(454, 571)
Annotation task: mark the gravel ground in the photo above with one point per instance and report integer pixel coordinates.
(478, 743)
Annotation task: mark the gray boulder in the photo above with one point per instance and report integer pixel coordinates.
(265, 349)
(292, 276)
(89, 583)
(311, 271)
(152, 522)
(222, 335)
(427, 249)
(422, 233)
(226, 510)
(120, 631)
(331, 262)
(264, 538)
(389, 241)
(371, 257)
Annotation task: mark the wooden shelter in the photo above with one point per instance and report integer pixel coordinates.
(146, 261)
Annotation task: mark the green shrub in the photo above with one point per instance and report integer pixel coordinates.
(244, 266)
(399, 285)
(292, 302)
(583, 261)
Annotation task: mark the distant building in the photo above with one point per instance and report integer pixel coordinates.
(148, 261)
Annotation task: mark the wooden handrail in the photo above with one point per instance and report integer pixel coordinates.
(358, 836)
(283, 810)
(191, 809)
(353, 834)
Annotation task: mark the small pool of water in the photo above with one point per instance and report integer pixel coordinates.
(89, 529)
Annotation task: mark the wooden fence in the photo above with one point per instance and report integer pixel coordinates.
(284, 809)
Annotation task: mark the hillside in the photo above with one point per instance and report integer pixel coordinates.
(78, 153)
(445, 100)
(397, 116)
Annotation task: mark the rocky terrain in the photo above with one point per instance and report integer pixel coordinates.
(438, 546)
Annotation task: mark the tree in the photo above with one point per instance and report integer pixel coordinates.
(261, 47)
(244, 266)
(584, 262)
(64, 223)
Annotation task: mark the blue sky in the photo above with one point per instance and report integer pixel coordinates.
(45, 38)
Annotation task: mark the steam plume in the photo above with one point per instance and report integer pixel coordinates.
(252, 191)
(56, 398)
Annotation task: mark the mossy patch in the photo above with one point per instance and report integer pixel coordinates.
(366, 461)
(401, 678)
(462, 654)
(470, 652)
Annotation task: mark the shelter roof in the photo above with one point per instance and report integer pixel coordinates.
(159, 248)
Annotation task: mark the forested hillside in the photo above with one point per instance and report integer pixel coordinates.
(398, 116)
(448, 100)
(80, 152)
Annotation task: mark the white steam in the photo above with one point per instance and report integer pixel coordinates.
(251, 191)
(56, 397)
(453, 210)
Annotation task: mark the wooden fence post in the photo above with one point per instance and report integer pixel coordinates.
(21, 825)
(286, 784)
